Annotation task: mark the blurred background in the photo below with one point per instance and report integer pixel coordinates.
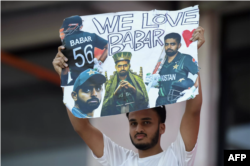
(35, 129)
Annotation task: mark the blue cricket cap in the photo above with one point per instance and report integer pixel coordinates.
(89, 75)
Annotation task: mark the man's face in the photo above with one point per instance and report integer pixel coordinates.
(171, 46)
(122, 68)
(145, 129)
(89, 96)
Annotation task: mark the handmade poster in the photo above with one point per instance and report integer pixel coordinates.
(127, 61)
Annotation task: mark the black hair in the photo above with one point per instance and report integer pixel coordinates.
(161, 112)
(175, 36)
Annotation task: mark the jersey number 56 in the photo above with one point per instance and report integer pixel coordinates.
(82, 57)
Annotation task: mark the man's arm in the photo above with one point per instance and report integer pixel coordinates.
(90, 135)
(196, 84)
(191, 120)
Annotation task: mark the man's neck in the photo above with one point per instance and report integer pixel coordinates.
(150, 152)
(171, 58)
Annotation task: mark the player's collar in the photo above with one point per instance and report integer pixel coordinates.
(79, 111)
(178, 57)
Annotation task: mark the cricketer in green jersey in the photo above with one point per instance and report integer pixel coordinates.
(174, 71)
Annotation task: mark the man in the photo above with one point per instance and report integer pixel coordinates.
(175, 70)
(146, 128)
(125, 91)
(79, 49)
(87, 93)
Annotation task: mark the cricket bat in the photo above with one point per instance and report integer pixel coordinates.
(158, 67)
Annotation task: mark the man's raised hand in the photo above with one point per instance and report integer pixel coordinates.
(198, 35)
(127, 85)
(59, 61)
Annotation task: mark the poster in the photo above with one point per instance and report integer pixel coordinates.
(127, 61)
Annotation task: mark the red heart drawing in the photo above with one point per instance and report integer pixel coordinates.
(187, 36)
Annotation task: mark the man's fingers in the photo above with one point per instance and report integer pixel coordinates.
(200, 37)
(56, 62)
(60, 54)
(199, 29)
(60, 48)
(123, 82)
(196, 31)
(63, 63)
(60, 63)
(195, 37)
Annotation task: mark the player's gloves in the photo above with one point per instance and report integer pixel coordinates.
(187, 94)
(152, 79)
(98, 65)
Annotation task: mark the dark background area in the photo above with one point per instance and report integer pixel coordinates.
(234, 114)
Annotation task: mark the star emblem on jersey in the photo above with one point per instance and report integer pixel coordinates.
(175, 66)
(182, 79)
(91, 72)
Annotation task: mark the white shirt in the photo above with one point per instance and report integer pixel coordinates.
(175, 155)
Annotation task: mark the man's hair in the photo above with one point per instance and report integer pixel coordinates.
(161, 112)
(175, 36)
(122, 60)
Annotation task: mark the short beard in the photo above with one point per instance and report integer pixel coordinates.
(123, 74)
(171, 53)
(85, 107)
(146, 146)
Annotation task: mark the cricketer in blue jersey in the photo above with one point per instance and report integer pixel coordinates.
(87, 93)
(79, 49)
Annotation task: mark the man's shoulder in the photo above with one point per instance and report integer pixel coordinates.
(87, 33)
(108, 141)
(185, 55)
(111, 79)
(110, 82)
(78, 35)
(137, 77)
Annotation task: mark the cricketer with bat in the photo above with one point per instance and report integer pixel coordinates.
(79, 49)
(174, 71)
